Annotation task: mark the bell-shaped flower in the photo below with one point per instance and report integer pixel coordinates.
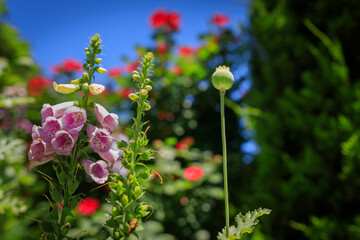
(65, 88)
(100, 138)
(119, 169)
(63, 142)
(35, 132)
(40, 152)
(73, 119)
(50, 128)
(111, 155)
(97, 170)
(107, 120)
(96, 89)
(54, 111)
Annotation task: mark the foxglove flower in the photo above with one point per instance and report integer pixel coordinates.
(96, 89)
(50, 127)
(73, 119)
(66, 88)
(54, 111)
(109, 121)
(100, 138)
(40, 152)
(97, 170)
(119, 169)
(63, 142)
(111, 155)
(36, 132)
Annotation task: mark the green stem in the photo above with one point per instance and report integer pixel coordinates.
(222, 97)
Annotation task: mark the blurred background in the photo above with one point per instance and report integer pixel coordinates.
(293, 114)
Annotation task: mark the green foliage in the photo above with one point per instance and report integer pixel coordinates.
(244, 224)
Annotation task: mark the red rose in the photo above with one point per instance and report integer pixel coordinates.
(161, 47)
(114, 72)
(220, 20)
(193, 173)
(173, 21)
(88, 206)
(186, 51)
(36, 85)
(71, 65)
(158, 18)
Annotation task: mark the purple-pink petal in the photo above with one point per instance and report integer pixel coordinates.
(97, 170)
(63, 142)
(100, 139)
(119, 168)
(40, 152)
(111, 155)
(50, 127)
(54, 111)
(73, 119)
(107, 120)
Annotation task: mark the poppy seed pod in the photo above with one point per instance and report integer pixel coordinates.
(222, 79)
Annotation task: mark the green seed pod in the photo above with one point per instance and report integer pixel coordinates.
(222, 79)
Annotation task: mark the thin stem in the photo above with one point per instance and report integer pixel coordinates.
(222, 96)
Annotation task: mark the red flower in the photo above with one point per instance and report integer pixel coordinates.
(158, 18)
(188, 141)
(176, 70)
(193, 173)
(88, 206)
(220, 20)
(125, 92)
(186, 51)
(170, 21)
(181, 146)
(114, 72)
(71, 65)
(173, 21)
(161, 115)
(161, 47)
(36, 85)
(130, 67)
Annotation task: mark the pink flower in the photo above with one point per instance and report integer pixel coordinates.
(119, 168)
(181, 146)
(100, 138)
(97, 170)
(109, 121)
(63, 142)
(73, 119)
(193, 173)
(114, 72)
(49, 128)
(88, 206)
(111, 156)
(56, 111)
(40, 152)
(220, 20)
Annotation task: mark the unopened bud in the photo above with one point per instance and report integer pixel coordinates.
(100, 70)
(147, 106)
(85, 86)
(66, 88)
(96, 89)
(138, 190)
(133, 96)
(147, 81)
(124, 199)
(136, 77)
(85, 76)
(143, 92)
(148, 87)
(76, 81)
(98, 60)
(87, 52)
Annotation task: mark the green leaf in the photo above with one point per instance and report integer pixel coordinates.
(232, 233)
(56, 196)
(122, 144)
(72, 186)
(54, 213)
(246, 223)
(145, 156)
(47, 227)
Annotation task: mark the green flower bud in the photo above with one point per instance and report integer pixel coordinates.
(85, 86)
(98, 60)
(222, 79)
(100, 70)
(148, 87)
(136, 76)
(147, 106)
(138, 191)
(76, 81)
(143, 92)
(145, 175)
(124, 199)
(133, 96)
(115, 211)
(147, 81)
(85, 76)
(87, 52)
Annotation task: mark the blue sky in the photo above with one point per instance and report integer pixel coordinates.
(60, 29)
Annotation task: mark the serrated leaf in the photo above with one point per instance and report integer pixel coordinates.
(72, 186)
(122, 144)
(232, 233)
(246, 223)
(56, 196)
